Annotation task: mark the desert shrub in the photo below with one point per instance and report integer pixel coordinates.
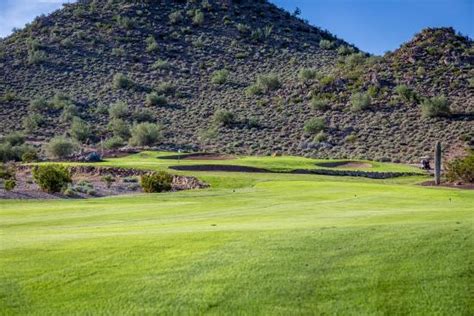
(243, 28)
(253, 122)
(326, 44)
(80, 130)
(144, 115)
(166, 88)
(145, 134)
(114, 142)
(307, 74)
(29, 156)
(461, 169)
(436, 107)
(208, 133)
(405, 93)
(352, 138)
(108, 179)
(118, 110)
(118, 51)
(268, 82)
(161, 64)
(326, 80)
(220, 76)
(60, 101)
(32, 121)
(151, 44)
(156, 182)
(60, 147)
(360, 101)
(198, 18)
(124, 22)
(119, 128)
(9, 184)
(38, 104)
(9, 96)
(120, 81)
(176, 17)
(320, 103)
(153, 99)
(69, 112)
(253, 90)
(223, 117)
(15, 139)
(345, 50)
(37, 57)
(314, 126)
(51, 178)
(320, 137)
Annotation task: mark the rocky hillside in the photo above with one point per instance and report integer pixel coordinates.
(232, 76)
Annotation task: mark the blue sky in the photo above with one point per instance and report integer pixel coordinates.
(374, 26)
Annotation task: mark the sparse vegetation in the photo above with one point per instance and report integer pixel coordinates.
(153, 99)
(120, 81)
(307, 74)
(80, 130)
(224, 118)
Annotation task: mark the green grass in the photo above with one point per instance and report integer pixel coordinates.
(252, 244)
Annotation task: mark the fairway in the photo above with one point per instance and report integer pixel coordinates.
(252, 244)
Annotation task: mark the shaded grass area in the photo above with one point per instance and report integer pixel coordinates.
(252, 244)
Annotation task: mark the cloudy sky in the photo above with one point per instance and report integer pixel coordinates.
(374, 26)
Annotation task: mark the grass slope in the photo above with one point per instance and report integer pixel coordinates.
(253, 244)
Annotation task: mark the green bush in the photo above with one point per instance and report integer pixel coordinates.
(143, 115)
(32, 122)
(161, 65)
(108, 179)
(118, 110)
(314, 126)
(224, 118)
(39, 104)
(461, 169)
(320, 137)
(220, 77)
(319, 103)
(29, 156)
(119, 128)
(436, 107)
(406, 93)
(60, 147)
(61, 100)
(151, 44)
(153, 99)
(145, 134)
(69, 112)
(326, 44)
(360, 101)
(15, 139)
(114, 142)
(9, 184)
(166, 88)
(80, 130)
(51, 178)
(120, 81)
(156, 182)
(268, 82)
(176, 17)
(9, 152)
(307, 74)
(198, 18)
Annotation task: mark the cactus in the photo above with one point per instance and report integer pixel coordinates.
(437, 163)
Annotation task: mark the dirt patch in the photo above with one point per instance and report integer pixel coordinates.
(465, 186)
(199, 156)
(88, 182)
(344, 164)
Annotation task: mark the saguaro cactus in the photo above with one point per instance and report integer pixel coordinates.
(437, 163)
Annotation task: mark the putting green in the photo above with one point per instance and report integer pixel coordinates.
(252, 244)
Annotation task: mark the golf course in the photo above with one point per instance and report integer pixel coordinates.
(252, 243)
